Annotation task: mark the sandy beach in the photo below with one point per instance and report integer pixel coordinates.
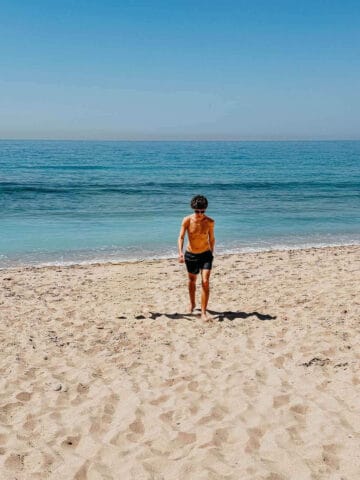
(104, 375)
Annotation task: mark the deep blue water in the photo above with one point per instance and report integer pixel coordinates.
(73, 201)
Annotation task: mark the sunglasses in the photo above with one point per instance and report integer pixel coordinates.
(199, 211)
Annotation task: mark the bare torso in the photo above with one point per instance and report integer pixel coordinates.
(200, 233)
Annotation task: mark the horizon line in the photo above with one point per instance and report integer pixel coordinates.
(141, 139)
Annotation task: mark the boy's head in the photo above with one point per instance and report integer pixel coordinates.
(199, 202)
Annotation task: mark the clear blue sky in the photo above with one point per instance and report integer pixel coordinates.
(180, 69)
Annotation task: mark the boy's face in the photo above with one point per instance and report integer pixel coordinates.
(199, 212)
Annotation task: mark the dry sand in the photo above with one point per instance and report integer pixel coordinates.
(103, 375)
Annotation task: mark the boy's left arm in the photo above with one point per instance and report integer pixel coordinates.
(212, 236)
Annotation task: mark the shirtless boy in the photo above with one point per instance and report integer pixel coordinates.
(199, 252)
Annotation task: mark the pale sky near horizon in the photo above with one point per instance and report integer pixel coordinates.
(180, 69)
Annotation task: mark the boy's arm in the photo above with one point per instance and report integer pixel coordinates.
(181, 240)
(212, 236)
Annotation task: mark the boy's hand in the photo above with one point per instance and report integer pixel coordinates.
(181, 258)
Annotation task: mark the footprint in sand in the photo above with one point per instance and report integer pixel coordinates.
(250, 389)
(71, 441)
(159, 400)
(294, 435)
(95, 426)
(82, 473)
(183, 439)
(279, 361)
(329, 456)
(137, 427)
(280, 400)
(220, 436)
(299, 409)
(8, 412)
(23, 396)
(299, 413)
(167, 416)
(255, 435)
(30, 422)
(82, 388)
(261, 376)
(15, 462)
(217, 413)
(193, 386)
(249, 343)
(322, 386)
(109, 411)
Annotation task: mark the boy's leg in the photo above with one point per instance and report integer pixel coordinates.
(205, 292)
(192, 289)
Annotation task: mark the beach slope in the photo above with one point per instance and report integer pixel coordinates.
(105, 376)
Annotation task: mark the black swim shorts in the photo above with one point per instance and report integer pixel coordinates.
(198, 261)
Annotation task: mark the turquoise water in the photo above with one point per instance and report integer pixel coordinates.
(69, 201)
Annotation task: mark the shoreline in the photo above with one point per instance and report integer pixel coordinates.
(106, 375)
(245, 251)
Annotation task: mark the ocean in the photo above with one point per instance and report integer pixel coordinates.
(64, 202)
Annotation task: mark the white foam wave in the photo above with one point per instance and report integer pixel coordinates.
(90, 258)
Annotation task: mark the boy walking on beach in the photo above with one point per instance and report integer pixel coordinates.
(199, 252)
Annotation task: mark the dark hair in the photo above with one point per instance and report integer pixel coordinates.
(199, 202)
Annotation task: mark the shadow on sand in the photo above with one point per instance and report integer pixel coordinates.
(219, 316)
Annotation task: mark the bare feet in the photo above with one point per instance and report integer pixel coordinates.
(205, 318)
(191, 308)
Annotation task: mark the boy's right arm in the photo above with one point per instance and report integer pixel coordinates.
(181, 240)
